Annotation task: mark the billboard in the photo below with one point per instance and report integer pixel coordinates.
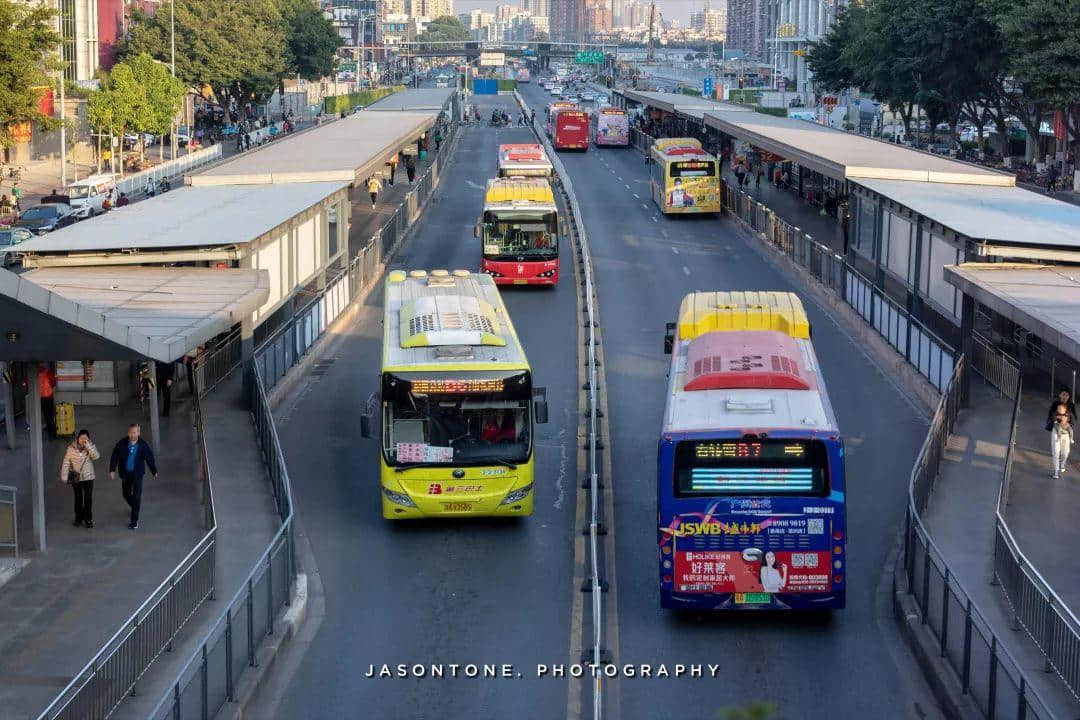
(492, 59)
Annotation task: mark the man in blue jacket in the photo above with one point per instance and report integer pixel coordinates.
(130, 457)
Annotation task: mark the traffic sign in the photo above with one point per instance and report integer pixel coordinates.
(708, 87)
(589, 56)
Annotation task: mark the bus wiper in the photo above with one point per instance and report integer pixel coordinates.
(507, 463)
(410, 466)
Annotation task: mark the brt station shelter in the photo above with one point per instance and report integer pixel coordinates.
(902, 214)
(441, 100)
(97, 326)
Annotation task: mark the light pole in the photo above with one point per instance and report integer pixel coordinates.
(173, 149)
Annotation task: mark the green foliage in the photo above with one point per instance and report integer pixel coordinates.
(745, 97)
(444, 29)
(1042, 39)
(310, 38)
(777, 111)
(507, 85)
(163, 94)
(26, 46)
(753, 711)
(340, 103)
(139, 95)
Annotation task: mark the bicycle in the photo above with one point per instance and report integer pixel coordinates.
(14, 172)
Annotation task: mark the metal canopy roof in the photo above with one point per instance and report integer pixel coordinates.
(996, 215)
(347, 150)
(188, 217)
(841, 155)
(414, 100)
(1044, 299)
(119, 313)
(676, 102)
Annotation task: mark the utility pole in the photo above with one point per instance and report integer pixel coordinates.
(652, 21)
(172, 68)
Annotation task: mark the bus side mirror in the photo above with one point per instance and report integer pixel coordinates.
(669, 338)
(540, 406)
(563, 228)
(367, 420)
(476, 230)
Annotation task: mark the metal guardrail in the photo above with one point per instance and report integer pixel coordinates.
(967, 642)
(1037, 609)
(929, 354)
(9, 518)
(995, 366)
(137, 181)
(217, 360)
(208, 679)
(99, 688)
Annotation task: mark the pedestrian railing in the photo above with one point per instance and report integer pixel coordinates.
(995, 366)
(178, 166)
(9, 518)
(965, 637)
(208, 679)
(929, 354)
(1036, 608)
(99, 688)
(217, 360)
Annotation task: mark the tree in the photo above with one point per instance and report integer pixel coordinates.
(310, 38)
(236, 47)
(163, 95)
(120, 105)
(27, 43)
(444, 29)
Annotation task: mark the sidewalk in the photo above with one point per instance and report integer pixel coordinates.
(960, 519)
(68, 601)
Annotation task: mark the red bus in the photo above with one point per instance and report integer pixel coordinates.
(569, 129)
(520, 232)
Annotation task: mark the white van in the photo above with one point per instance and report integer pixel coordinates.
(88, 195)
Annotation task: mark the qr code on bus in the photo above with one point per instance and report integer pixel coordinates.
(815, 526)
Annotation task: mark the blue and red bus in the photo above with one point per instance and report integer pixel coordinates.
(750, 466)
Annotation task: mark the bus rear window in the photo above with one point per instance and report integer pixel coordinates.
(707, 468)
(693, 168)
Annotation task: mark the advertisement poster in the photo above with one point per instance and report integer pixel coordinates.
(613, 129)
(724, 571)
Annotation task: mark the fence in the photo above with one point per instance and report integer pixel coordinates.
(1036, 607)
(208, 679)
(178, 166)
(932, 356)
(995, 366)
(111, 675)
(987, 672)
(9, 519)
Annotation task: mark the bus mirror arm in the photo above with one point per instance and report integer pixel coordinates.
(476, 230)
(669, 338)
(540, 406)
(367, 420)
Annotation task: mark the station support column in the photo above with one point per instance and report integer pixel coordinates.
(7, 387)
(37, 460)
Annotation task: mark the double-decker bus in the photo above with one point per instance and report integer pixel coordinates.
(519, 231)
(750, 470)
(569, 129)
(685, 178)
(610, 127)
(524, 160)
(458, 408)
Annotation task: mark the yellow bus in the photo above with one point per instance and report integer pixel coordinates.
(457, 405)
(685, 178)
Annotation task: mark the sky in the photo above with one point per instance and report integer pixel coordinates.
(677, 9)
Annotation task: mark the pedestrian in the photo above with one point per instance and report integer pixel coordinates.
(151, 188)
(1061, 438)
(532, 117)
(1064, 397)
(373, 186)
(122, 200)
(393, 169)
(165, 373)
(1051, 179)
(189, 368)
(410, 168)
(420, 143)
(739, 174)
(760, 172)
(46, 380)
(77, 470)
(16, 196)
(438, 139)
(130, 458)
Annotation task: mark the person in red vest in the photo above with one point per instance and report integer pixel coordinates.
(46, 385)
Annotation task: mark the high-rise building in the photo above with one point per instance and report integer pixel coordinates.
(790, 27)
(597, 17)
(505, 12)
(567, 20)
(393, 7)
(746, 27)
(430, 8)
(711, 22)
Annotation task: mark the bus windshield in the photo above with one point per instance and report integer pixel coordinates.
(520, 238)
(456, 419)
(760, 467)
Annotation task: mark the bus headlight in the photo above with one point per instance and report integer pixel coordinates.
(493, 274)
(517, 495)
(399, 498)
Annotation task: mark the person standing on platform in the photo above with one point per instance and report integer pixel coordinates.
(46, 380)
(165, 373)
(77, 470)
(130, 457)
(373, 187)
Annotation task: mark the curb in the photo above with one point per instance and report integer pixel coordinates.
(288, 624)
(955, 704)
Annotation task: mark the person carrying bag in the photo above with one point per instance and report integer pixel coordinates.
(77, 470)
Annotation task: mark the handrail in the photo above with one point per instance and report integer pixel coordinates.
(1035, 617)
(72, 692)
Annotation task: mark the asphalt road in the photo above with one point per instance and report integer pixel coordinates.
(434, 592)
(853, 665)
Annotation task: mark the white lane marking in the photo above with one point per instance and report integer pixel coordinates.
(675, 250)
(637, 196)
(654, 219)
(620, 177)
(474, 186)
(627, 186)
(686, 271)
(645, 206)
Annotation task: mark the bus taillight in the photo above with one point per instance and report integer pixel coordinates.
(837, 535)
(667, 578)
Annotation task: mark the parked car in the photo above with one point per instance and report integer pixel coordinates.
(46, 217)
(183, 135)
(88, 195)
(132, 140)
(9, 238)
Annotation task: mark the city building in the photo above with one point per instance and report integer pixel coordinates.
(791, 25)
(504, 12)
(395, 28)
(537, 8)
(634, 14)
(567, 20)
(746, 26)
(430, 8)
(597, 17)
(711, 23)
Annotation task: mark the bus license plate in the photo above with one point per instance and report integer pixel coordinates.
(457, 506)
(520, 281)
(751, 598)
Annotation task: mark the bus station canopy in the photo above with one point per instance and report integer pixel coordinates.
(347, 150)
(847, 156)
(122, 313)
(1044, 299)
(1027, 224)
(189, 217)
(678, 103)
(414, 100)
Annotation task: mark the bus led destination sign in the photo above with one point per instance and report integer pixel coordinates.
(457, 385)
(751, 450)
